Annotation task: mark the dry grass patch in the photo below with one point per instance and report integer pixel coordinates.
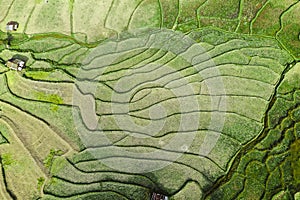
(20, 12)
(53, 16)
(89, 18)
(21, 169)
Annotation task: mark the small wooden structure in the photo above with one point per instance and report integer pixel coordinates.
(12, 26)
(156, 196)
(15, 64)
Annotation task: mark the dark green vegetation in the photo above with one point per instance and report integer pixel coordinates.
(270, 165)
(254, 45)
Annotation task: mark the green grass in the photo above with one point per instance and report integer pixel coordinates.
(68, 189)
(185, 192)
(53, 75)
(57, 55)
(7, 160)
(44, 44)
(245, 109)
(48, 161)
(40, 183)
(53, 98)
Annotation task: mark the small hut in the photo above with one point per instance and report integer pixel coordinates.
(12, 26)
(15, 64)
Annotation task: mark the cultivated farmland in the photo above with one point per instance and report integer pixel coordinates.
(121, 99)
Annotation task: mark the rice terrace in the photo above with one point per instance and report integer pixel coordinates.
(150, 99)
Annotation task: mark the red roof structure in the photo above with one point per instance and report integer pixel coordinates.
(156, 196)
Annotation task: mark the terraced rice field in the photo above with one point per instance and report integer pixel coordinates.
(119, 99)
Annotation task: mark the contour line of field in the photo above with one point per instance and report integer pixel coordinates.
(241, 5)
(29, 16)
(222, 53)
(8, 193)
(133, 12)
(100, 172)
(256, 16)
(281, 27)
(149, 160)
(96, 191)
(8, 10)
(119, 195)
